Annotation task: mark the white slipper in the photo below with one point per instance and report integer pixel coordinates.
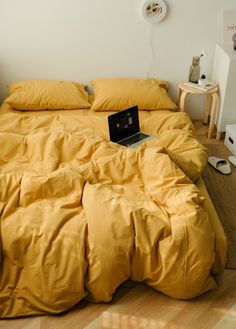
(232, 159)
(221, 165)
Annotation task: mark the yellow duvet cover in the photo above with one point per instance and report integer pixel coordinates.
(80, 215)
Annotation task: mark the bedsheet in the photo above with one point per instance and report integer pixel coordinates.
(80, 215)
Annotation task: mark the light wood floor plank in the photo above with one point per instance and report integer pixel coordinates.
(24, 323)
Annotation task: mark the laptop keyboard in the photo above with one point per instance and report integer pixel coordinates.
(133, 139)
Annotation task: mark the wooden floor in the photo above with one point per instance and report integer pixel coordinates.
(137, 306)
(224, 199)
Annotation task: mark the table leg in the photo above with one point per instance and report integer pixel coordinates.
(207, 109)
(213, 113)
(182, 97)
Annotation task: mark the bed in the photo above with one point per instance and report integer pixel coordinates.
(80, 215)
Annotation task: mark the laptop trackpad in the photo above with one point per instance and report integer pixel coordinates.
(133, 139)
(149, 137)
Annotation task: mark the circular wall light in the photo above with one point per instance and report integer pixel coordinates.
(154, 11)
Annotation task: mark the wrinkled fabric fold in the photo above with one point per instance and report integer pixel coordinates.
(81, 215)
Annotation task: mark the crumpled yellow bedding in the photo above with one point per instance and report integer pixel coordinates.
(80, 215)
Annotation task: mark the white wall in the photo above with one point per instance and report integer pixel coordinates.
(84, 40)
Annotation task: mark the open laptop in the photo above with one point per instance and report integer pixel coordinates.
(124, 128)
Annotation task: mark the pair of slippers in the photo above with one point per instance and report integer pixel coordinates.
(222, 165)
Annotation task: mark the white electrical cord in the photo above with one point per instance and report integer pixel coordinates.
(152, 54)
(153, 12)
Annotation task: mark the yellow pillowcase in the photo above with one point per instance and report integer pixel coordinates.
(119, 94)
(47, 95)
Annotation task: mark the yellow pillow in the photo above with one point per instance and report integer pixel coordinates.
(47, 95)
(119, 94)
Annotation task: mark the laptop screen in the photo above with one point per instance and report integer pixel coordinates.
(123, 124)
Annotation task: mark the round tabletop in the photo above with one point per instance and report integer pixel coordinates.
(194, 90)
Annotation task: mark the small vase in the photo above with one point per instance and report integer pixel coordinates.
(194, 72)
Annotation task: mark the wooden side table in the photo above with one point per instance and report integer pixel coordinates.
(212, 103)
